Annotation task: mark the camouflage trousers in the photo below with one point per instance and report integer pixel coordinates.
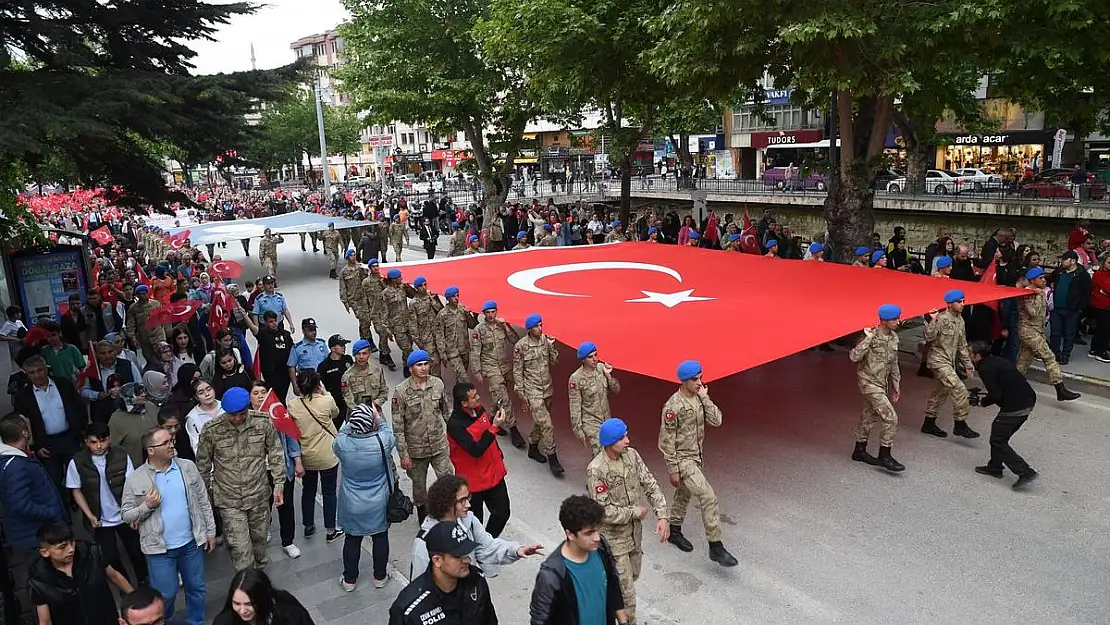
(694, 485)
(947, 384)
(543, 430)
(591, 431)
(365, 324)
(499, 390)
(382, 330)
(428, 344)
(456, 365)
(628, 569)
(269, 266)
(404, 341)
(440, 462)
(397, 245)
(245, 535)
(877, 407)
(333, 259)
(1033, 347)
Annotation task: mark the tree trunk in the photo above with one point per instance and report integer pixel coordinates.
(917, 163)
(850, 215)
(626, 189)
(849, 206)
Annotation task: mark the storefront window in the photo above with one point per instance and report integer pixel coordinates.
(1006, 160)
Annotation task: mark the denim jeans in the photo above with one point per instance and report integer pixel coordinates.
(352, 553)
(164, 570)
(1063, 324)
(328, 480)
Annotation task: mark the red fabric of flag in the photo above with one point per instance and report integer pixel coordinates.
(279, 416)
(749, 238)
(102, 235)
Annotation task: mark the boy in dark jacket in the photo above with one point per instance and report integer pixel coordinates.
(1008, 389)
(69, 583)
(579, 580)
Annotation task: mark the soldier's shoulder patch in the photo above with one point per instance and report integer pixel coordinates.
(477, 335)
(601, 488)
(516, 349)
(573, 385)
(396, 400)
(343, 382)
(670, 416)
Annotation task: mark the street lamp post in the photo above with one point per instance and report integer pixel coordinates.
(318, 92)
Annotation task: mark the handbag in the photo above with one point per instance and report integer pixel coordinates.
(399, 507)
(322, 425)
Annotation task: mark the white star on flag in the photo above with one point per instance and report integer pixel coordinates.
(670, 300)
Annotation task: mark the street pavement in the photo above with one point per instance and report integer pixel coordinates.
(820, 539)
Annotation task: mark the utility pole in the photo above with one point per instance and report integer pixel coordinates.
(318, 94)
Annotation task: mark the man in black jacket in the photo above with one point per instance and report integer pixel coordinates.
(56, 415)
(580, 577)
(448, 593)
(1071, 293)
(1009, 390)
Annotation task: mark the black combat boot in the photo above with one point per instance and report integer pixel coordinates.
(860, 454)
(421, 512)
(930, 427)
(720, 555)
(516, 437)
(1063, 394)
(332, 275)
(888, 462)
(961, 429)
(534, 453)
(553, 464)
(678, 540)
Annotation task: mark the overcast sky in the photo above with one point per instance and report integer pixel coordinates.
(276, 24)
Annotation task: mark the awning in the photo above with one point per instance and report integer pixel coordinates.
(824, 143)
(525, 159)
(289, 223)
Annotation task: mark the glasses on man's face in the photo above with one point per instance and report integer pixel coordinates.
(162, 444)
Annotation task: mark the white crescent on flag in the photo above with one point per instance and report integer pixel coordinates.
(526, 279)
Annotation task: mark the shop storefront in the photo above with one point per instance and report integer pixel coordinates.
(1007, 153)
(401, 164)
(448, 160)
(783, 147)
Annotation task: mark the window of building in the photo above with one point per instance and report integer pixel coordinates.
(392, 130)
(404, 138)
(319, 49)
(785, 116)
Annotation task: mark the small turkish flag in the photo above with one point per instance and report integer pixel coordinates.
(102, 235)
(280, 417)
(602, 488)
(227, 269)
(990, 276)
(749, 239)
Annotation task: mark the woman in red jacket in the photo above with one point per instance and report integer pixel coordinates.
(477, 457)
(1100, 308)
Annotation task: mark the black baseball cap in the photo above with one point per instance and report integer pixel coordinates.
(447, 537)
(269, 280)
(308, 322)
(336, 339)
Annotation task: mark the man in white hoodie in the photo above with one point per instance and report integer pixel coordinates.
(449, 500)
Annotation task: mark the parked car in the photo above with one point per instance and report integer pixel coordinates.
(938, 181)
(978, 179)
(885, 176)
(776, 177)
(428, 182)
(1055, 183)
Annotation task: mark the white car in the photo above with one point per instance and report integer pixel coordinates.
(979, 180)
(938, 181)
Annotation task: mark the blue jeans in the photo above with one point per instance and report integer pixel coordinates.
(1062, 327)
(189, 563)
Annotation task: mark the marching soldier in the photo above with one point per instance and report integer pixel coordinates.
(878, 259)
(947, 344)
(548, 239)
(1032, 312)
(452, 326)
(395, 314)
(733, 244)
(589, 388)
(533, 356)
(372, 286)
(331, 248)
(682, 440)
(235, 452)
(423, 311)
(364, 382)
(472, 245)
(351, 278)
(267, 252)
(618, 479)
(487, 360)
(879, 380)
(522, 240)
(495, 235)
(420, 412)
(136, 328)
(397, 236)
(458, 242)
(616, 234)
(313, 235)
(863, 256)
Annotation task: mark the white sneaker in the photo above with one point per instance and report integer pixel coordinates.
(380, 583)
(292, 551)
(347, 586)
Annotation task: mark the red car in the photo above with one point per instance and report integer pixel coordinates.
(1055, 183)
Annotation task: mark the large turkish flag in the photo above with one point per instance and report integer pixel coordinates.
(650, 306)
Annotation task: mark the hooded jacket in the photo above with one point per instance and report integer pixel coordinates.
(28, 497)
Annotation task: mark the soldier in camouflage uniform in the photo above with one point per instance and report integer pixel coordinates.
(879, 380)
(364, 382)
(533, 357)
(397, 236)
(589, 389)
(947, 343)
(487, 360)
(548, 239)
(267, 252)
(423, 310)
(615, 235)
(458, 240)
(395, 314)
(863, 257)
(472, 246)
(383, 238)
(682, 441)
(419, 413)
(522, 240)
(331, 248)
(351, 294)
(452, 326)
(135, 326)
(1032, 312)
(618, 479)
(372, 286)
(235, 453)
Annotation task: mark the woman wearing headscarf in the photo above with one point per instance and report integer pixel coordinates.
(134, 418)
(364, 447)
(157, 386)
(162, 361)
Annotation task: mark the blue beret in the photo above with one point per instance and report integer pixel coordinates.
(454, 224)
(142, 288)
(417, 356)
(652, 230)
(451, 291)
(547, 227)
(694, 235)
(235, 399)
(522, 235)
(489, 305)
(472, 238)
(953, 296)
(420, 281)
(393, 274)
(863, 250)
(360, 345)
(944, 261)
(816, 248)
(532, 321)
(611, 432)
(772, 243)
(688, 370)
(372, 261)
(349, 253)
(1034, 273)
(331, 223)
(586, 349)
(889, 312)
(616, 222)
(876, 255)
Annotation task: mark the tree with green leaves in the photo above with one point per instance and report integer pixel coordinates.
(93, 85)
(419, 62)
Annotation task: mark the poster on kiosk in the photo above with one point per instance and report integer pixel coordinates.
(42, 279)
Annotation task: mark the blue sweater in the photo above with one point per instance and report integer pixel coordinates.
(28, 496)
